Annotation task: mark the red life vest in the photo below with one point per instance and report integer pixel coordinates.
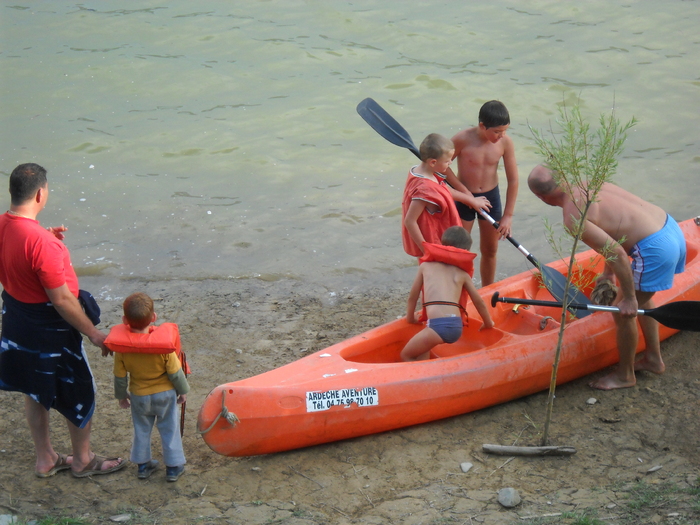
(161, 339)
(462, 259)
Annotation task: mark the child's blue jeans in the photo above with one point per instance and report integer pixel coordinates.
(159, 409)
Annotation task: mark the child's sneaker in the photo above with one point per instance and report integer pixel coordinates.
(172, 473)
(146, 469)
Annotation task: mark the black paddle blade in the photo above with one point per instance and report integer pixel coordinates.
(556, 284)
(681, 315)
(384, 124)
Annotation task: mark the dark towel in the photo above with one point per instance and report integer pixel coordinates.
(90, 306)
(42, 356)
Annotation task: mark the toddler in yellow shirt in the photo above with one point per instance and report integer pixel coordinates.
(149, 378)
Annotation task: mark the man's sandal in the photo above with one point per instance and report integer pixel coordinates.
(94, 468)
(61, 464)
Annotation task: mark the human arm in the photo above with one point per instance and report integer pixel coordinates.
(413, 296)
(410, 221)
(511, 168)
(477, 203)
(479, 304)
(179, 382)
(67, 305)
(616, 263)
(452, 179)
(454, 182)
(120, 391)
(176, 374)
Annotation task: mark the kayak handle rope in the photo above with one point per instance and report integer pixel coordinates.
(228, 416)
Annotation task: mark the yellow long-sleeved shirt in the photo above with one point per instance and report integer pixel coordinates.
(148, 373)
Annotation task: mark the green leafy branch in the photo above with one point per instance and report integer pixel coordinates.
(582, 161)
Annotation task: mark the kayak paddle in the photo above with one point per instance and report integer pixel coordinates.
(384, 124)
(681, 315)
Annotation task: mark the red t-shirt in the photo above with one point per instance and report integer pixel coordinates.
(32, 259)
(432, 226)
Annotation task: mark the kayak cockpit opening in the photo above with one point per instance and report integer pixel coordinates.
(386, 348)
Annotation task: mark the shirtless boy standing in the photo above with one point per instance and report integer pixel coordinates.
(478, 151)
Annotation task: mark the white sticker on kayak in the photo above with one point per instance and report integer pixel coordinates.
(362, 397)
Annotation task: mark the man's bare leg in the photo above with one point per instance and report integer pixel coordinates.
(38, 421)
(82, 455)
(627, 339)
(649, 360)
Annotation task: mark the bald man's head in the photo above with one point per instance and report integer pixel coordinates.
(541, 182)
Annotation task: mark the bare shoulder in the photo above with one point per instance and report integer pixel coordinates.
(571, 210)
(463, 138)
(508, 145)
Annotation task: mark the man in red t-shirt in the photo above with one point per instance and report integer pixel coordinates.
(41, 350)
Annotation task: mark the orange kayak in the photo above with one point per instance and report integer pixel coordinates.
(359, 386)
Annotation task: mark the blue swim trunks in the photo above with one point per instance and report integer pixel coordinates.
(656, 259)
(448, 328)
(468, 213)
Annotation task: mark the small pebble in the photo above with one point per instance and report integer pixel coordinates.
(120, 518)
(466, 466)
(591, 401)
(654, 469)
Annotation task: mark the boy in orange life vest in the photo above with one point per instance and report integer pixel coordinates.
(443, 273)
(428, 202)
(151, 356)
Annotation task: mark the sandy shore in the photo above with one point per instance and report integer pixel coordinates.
(408, 476)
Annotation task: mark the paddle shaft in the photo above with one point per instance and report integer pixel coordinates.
(556, 304)
(515, 243)
(680, 315)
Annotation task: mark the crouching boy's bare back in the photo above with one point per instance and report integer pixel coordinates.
(442, 283)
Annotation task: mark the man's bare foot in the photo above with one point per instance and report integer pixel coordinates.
(63, 462)
(649, 365)
(611, 382)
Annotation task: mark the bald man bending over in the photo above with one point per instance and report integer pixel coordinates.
(620, 226)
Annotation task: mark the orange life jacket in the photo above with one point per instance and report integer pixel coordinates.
(462, 259)
(161, 339)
